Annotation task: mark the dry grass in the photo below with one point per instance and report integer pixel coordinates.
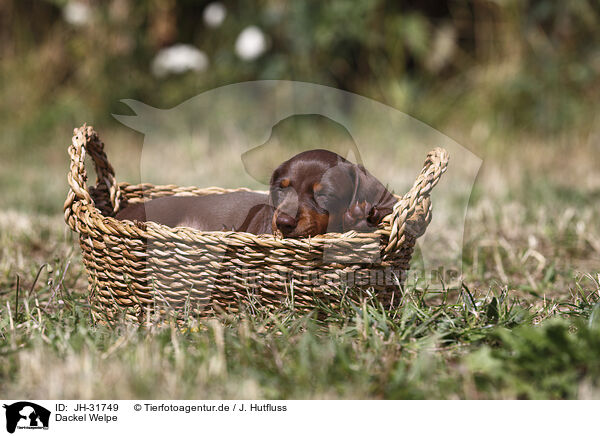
(531, 257)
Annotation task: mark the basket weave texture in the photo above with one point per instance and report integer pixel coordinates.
(138, 270)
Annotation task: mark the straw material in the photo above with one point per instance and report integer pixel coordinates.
(142, 270)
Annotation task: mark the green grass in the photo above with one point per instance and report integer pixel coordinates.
(469, 346)
(516, 329)
(525, 323)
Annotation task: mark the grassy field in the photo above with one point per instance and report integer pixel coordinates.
(524, 324)
(517, 83)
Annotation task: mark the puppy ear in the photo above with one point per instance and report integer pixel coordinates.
(357, 209)
(362, 185)
(370, 202)
(358, 183)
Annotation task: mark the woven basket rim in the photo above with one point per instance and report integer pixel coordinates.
(152, 230)
(81, 207)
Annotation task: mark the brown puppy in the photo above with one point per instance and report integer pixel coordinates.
(313, 193)
(213, 212)
(318, 191)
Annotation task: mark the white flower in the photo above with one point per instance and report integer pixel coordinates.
(251, 43)
(178, 59)
(214, 14)
(77, 13)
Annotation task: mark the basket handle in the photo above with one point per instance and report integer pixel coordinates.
(412, 213)
(86, 140)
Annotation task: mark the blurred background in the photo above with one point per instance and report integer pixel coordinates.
(498, 65)
(485, 72)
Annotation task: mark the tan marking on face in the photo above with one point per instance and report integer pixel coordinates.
(311, 223)
(284, 183)
(317, 187)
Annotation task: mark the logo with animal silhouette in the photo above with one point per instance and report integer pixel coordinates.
(26, 415)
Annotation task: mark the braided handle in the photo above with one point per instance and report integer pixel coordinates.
(412, 213)
(86, 140)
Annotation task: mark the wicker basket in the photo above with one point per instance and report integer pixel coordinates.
(140, 270)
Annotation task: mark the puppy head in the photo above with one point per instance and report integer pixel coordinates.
(293, 189)
(318, 191)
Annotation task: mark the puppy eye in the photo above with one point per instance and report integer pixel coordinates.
(276, 192)
(280, 193)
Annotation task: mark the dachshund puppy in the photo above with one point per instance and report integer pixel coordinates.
(313, 193)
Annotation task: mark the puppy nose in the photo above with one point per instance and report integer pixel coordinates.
(286, 223)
